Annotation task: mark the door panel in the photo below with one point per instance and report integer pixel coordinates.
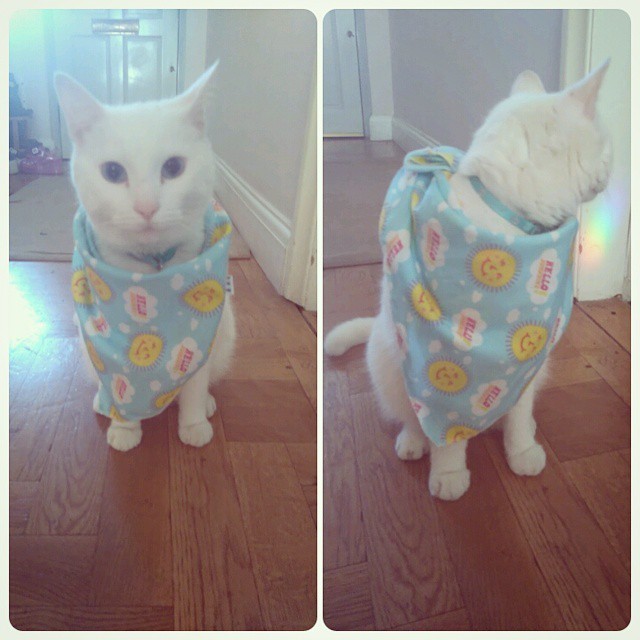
(142, 68)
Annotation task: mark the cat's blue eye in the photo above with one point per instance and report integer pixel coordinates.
(113, 172)
(173, 167)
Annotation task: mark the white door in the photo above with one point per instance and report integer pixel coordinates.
(342, 102)
(121, 56)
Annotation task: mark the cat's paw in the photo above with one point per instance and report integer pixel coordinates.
(449, 486)
(124, 438)
(196, 435)
(410, 445)
(211, 405)
(529, 462)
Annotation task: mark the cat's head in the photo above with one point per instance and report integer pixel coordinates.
(144, 172)
(543, 153)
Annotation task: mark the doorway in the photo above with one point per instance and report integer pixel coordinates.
(121, 56)
(342, 99)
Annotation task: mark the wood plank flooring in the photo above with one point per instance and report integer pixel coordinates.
(164, 536)
(514, 553)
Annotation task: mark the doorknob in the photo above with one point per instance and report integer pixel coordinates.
(350, 34)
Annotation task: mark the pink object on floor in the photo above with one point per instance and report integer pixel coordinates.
(42, 161)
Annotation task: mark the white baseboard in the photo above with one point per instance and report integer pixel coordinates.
(408, 138)
(265, 229)
(626, 289)
(380, 128)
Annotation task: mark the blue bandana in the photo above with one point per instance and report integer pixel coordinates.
(147, 334)
(476, 312)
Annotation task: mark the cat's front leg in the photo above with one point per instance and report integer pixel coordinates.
(411, 443)
(196, 404)
(449, 477)
(124, 435)
(524, 455)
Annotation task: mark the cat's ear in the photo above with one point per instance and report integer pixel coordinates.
(81, 110)
(586, 91)
(527, 82)
(197, 96)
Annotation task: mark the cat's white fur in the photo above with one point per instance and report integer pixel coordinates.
(141, 137)
(542, 155)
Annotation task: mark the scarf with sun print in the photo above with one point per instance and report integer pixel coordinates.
(147, 334)
(475, 312)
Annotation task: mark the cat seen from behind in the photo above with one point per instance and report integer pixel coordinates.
(150, 260)
(477, 287)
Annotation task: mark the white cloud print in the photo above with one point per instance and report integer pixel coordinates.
(544, 276)
(396, 249)
(122, 389)
(556, 331)
(421, 410)
(434, 244)
(470, 234)
(488, 397)
(401, 337)
(97, 325)
(140, 304)
(467, 327)
(185, 358)
(177, 281)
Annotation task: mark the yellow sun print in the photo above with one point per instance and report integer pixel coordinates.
(94, 357)
(114, 414)
(425, 303)
(145, 349)
(166, 398)
(100, 286)
(459, 432)
(447, 376)
(205, 297)
(528, 341)
(220, 232)
(80, 287)
(493, 268)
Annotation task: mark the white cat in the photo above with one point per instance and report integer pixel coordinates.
(144, 173)
(542, 155)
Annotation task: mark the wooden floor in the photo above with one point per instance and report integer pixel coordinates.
(514, 553)
(164, 536)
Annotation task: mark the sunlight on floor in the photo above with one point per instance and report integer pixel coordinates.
(24, 319)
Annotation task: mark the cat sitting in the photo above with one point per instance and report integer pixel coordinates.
(150, 260)
(477, 287)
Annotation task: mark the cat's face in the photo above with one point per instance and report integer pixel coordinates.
(143, 172)
(543, 153)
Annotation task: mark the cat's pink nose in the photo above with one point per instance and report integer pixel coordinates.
(146, 209)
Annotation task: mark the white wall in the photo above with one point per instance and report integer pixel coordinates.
(450, 67)
(260, 121)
